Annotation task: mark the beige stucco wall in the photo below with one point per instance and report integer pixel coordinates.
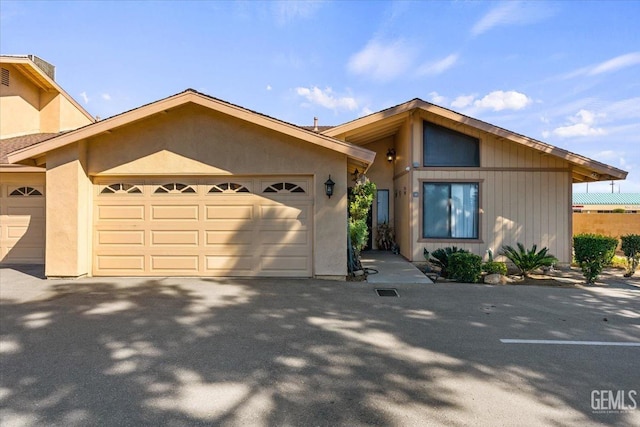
(68, 209)
(525, 195)
(19, 105)
(27, 109)
(192, 140)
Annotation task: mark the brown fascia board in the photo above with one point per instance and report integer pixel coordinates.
(417, 103)
(24, 60)
(182, 98)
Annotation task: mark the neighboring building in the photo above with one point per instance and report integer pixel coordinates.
(33, 108)
(606, 202)
(606, 213)
(192, 185)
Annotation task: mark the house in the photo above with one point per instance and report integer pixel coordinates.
(610, 214)
(446, 179)
(191, 185)
(33, 108)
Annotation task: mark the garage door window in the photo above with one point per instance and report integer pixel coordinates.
(284, 187)
(229, 187)
(175, 187)
(121, 188)
(25, 191)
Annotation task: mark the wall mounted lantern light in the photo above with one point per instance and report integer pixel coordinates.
(328, 187)
(391, 154)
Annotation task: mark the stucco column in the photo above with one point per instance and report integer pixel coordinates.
(68, 251)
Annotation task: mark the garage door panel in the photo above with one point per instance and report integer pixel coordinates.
(30, 234)
(174, 263)
(230, 264)
(229, 212)
(174, 237)
(126, 237)
(282, 212)
(160, 212)
(121, 263)
(224, 237)
(286, 237)
(120, 212)
(284, 264)
(26, 212)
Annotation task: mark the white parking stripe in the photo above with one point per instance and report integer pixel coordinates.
(564, 342)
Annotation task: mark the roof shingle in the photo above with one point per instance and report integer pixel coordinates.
(12, 144)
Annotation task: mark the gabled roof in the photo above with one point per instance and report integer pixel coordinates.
(387, 122)
(8, 145)
(41, 79)
(359, 154)
(606, 198)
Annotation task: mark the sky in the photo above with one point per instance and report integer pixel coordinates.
(563, 72)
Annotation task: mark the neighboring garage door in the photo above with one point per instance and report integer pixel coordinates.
(181, 226)
(22, 222)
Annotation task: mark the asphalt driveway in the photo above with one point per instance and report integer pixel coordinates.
(179, 352)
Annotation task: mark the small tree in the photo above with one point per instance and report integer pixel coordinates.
(592, 252)
(360, 201)
(528, 260)
(631, 248)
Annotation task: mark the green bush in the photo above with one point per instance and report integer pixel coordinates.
(495, 267)
(592, 252)
(440, 257)
(631, 248)
(360, 200)
(528, 260)
(465, 267)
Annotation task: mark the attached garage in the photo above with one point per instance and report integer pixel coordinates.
(22, 218)
(213, 226)
(194, 186)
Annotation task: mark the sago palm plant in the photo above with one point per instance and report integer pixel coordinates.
(528, 260)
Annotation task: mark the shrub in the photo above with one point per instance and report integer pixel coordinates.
(618, 210)
(592, 252)
(528, 260)
(360, 201)
(495, 267)
(440, 257)
(631, 248)
(465, 267)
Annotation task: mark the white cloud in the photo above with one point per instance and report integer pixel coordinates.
(326, 98)
(106, 97)
(608, 66)
(366, 111)
(84, 97)
(382, 61)
(511, 13)
(269, 87)
(616, 63)
(581, 124)
(499, 100)
(436, 98)
(286, 11)
(438, 67)
(463, 101)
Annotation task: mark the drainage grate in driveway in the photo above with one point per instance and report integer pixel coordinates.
(387, 292)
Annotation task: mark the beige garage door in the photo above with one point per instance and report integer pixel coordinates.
(22, 219)
(252, 226)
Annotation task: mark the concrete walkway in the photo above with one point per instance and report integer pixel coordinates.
(392, 269)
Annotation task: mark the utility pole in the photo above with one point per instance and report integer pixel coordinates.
(612, 184)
